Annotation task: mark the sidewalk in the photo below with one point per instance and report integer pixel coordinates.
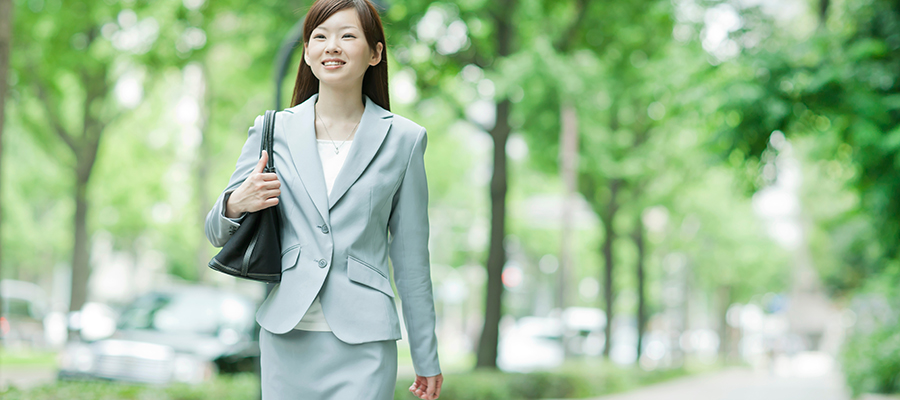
(743, 384)
(24, 377)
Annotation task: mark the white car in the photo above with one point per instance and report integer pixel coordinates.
(533, 343)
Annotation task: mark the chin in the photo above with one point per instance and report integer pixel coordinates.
(340, 81)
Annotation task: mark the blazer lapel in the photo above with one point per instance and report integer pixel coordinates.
(373, 128)
(300, 129)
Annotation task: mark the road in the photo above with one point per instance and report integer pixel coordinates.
(742, 384)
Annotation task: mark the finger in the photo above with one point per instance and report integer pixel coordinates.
(270, 202)
(262, 190)
(261, 164)
(269, 194)
(429, 392)
(269, 185)
(268, 176)
(263, 187)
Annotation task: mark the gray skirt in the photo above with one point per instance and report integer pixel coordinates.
(312, 365)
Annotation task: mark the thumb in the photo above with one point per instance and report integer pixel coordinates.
(263, 159)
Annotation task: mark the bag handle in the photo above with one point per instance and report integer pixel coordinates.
(268, 140)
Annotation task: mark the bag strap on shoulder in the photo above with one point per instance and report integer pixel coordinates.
(268, 140)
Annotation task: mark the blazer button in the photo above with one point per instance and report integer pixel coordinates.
(324, 228)
(323, 263)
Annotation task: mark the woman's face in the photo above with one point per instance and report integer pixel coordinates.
(340, 38)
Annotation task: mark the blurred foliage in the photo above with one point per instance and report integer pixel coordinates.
(871, 360)
(618, 69)
(568, 382)
(576, 380)
(224, 387)
(832, 88)
(687, 132)
(30, 358)
(838, 86)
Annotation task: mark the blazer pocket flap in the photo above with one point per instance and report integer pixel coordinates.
(365, 274)
(289, 257)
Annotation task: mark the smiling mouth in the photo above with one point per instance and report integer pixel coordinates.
(332, 63)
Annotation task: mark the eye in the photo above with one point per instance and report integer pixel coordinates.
(349, 35)
(318, 36)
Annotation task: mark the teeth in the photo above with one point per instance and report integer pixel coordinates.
(333, 63)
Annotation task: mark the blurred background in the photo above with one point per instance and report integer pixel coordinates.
(657, 198)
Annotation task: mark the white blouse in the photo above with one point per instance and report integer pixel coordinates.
(314, 319)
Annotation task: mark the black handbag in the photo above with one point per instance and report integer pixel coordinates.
(254, 250)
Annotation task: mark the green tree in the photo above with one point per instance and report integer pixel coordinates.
(619, 79)
(68, 63)
(838, 86)
(5, 43)
(488, 31)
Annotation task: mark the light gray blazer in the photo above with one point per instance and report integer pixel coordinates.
(337, 246)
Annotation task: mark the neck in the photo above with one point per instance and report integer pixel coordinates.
(340, 104)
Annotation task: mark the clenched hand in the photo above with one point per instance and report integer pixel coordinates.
(427, 388)
(260, 190)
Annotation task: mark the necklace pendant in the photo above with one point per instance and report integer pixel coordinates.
(337, 151)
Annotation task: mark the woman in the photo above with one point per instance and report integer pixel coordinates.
(354, 192)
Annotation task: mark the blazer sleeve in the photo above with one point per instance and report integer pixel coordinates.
(408, 226)
(219, 228)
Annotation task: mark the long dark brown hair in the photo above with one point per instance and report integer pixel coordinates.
(375, 81)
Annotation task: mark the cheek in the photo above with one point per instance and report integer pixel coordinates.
(313, 51)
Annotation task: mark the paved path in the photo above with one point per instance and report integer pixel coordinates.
(743, 384)
(24, 377)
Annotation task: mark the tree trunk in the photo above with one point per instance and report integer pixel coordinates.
(80, 262)
(6, 19)
(611, 209)
(723, 295)
(823, 11)
(486, 356)
(85, 148)
(487, 346)
(642, 311)
(568, 160)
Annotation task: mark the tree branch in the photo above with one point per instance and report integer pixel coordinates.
(565, 41)
(54, 119)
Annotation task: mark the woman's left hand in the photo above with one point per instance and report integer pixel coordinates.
(427, 388)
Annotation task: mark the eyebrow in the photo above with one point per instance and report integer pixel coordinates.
(343, 27)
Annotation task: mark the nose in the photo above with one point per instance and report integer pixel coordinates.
(332, 47)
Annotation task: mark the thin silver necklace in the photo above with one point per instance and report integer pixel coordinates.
(337, 149)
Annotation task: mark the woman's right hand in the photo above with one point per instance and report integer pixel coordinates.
(260, 190)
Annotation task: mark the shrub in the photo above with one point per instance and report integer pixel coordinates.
(871, 360)
(576, 380)
(226, 387)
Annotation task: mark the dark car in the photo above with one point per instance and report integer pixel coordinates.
(184, 334)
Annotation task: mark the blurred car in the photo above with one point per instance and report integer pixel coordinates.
(22, 315)
(533, 343)
(182, 334)
(584, 331)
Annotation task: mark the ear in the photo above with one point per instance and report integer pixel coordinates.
(306, 53)
(376, 54)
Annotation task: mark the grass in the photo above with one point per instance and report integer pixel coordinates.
(27, 358)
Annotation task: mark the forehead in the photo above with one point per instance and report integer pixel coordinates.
(344, 19)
